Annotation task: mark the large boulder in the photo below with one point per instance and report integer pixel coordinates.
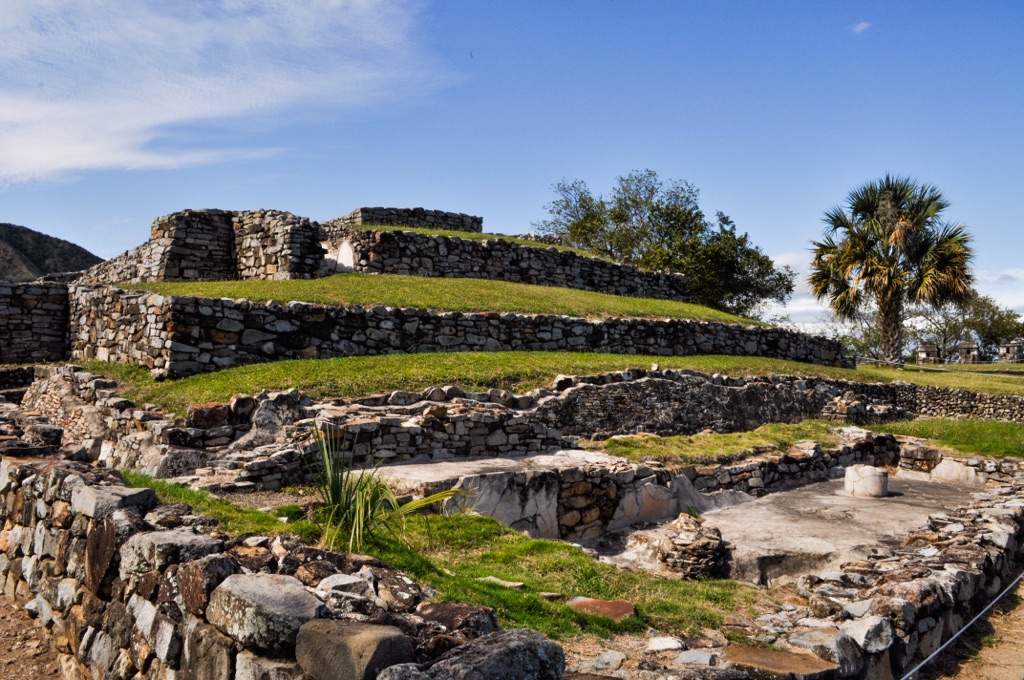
(262, 610)
(517, 654)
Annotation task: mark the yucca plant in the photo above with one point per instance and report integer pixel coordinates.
(358, 501)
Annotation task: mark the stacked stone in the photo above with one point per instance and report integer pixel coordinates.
(693, 550)
(946, 402)
(120, 326)
(129, 589)
(544, 239)
(186, 335)
(589, 496)
(33, 322)
(271, 244)
(881, 616)
(14, 382)
(410, 253)
(417, 218)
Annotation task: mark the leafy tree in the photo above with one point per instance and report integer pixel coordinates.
(890, 246)
(657, 225)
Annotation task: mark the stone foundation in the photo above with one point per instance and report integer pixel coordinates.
(418, 218)
(33, 322)
(410, 253)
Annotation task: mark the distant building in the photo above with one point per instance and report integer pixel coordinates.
(1011, 352)
(928, 354)
(968, 352)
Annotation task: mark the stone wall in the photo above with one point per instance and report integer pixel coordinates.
(210, 245)
(398, 252)
(183, 336)
(127, 589)
(120, 326)
(417, 218)
(33, 322)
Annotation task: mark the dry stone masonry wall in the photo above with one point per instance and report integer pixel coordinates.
(209, 245)
(410, 253)
(417, 218)
(33, 322)
(129, 589)
(183, 336)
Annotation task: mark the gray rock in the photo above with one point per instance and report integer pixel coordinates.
(250, 666)
(158, 549)
(696, 657)
(516, 654)
(99, 501)
(346, 650)
(262, 610)
(872, 633)
(831, 645)
(403, 671)
(207, 654)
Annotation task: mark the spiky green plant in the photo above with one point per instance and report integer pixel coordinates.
(358, 501)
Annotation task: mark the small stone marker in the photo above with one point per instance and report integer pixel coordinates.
(865, 481)
(616, 610)
(515, 585)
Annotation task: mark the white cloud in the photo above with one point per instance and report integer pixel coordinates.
(91, 84)
(1003, 286)
(860, 27)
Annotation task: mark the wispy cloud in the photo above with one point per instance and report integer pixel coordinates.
(97, 84)
(860, 27)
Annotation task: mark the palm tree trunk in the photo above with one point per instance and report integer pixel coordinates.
(890, 321)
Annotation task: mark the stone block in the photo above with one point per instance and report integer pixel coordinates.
(262, 610)
(347, 650)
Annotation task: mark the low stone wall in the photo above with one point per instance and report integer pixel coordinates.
(944, 402)
(410, 253)
(33, 322)
(182, 336)
(210, 245)
(417, 218)
(128, 589)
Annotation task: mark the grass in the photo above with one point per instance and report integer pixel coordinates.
(990, 438)
(448, 553)
(474, 236)
(362, 376)
(517, 371)
(456, 295)
(715, 448)
(234, 520)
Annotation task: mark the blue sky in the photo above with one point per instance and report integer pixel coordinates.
(115, 111)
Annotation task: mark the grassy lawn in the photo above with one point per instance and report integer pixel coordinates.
(715, 448)
(457, 295)
(473, 236)
(450, 553)
(991, 438)
(476, 371)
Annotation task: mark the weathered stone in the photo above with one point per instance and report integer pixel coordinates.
(516, 654)
(197, 579)
(207, 654)
(471, 619)
(866, 481)
(158, 549)
(250, 666)
(616, 610)
(262, 610)
(99, 501)
(346, 650)
(872, 633)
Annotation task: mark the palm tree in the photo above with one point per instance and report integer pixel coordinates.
(890, 245)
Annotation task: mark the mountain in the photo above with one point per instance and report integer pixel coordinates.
(26, 254)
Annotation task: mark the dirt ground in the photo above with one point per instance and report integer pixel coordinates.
(995, 651)
(25, 652)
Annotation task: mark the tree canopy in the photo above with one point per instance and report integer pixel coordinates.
(890, 246)
(659, 225)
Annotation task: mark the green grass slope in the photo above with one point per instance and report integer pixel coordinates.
(456, 295)
(516, 371)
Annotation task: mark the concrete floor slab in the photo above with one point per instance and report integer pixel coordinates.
(818, 527)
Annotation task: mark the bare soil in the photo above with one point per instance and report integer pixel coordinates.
(25, 652)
